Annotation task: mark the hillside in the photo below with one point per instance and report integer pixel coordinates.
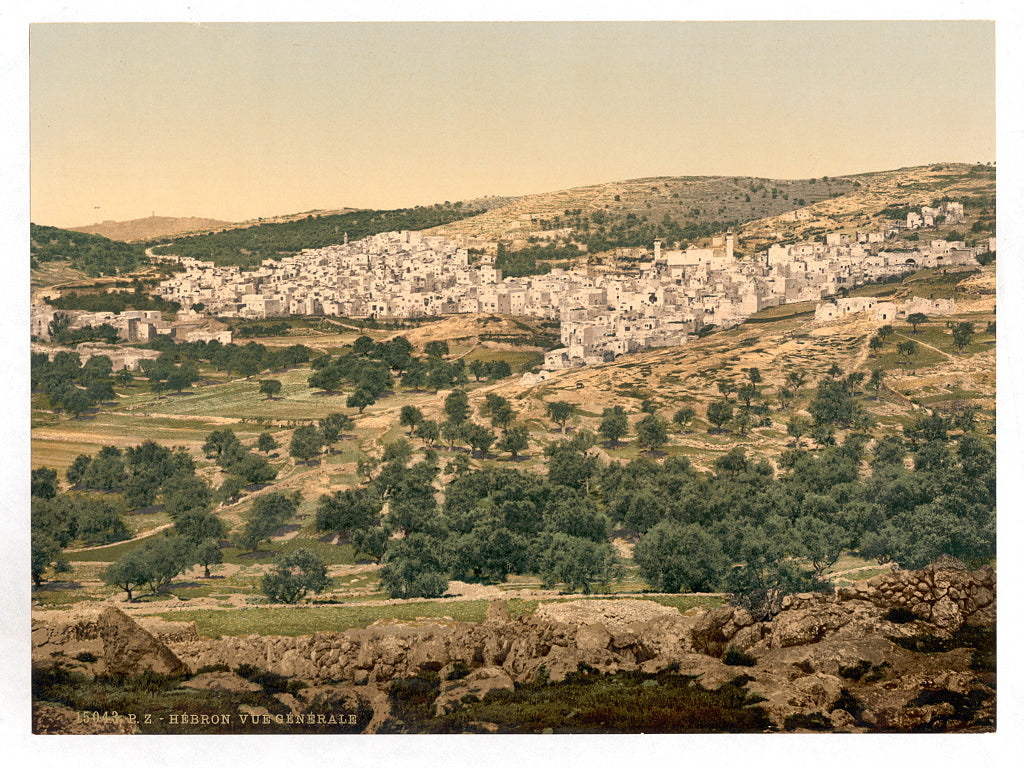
(151, 227)
(93, 255)
(632, 213)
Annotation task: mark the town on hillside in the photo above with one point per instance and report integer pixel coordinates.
(661, 300)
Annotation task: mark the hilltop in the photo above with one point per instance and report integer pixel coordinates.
(632, 213)
(135, 230)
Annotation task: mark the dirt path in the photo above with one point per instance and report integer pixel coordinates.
(139, 537)
(910, 338)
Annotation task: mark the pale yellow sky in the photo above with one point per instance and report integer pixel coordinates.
(235, 121)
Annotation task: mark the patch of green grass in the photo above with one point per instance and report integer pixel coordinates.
(586, 702)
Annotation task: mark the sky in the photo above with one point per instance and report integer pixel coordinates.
(239, 120)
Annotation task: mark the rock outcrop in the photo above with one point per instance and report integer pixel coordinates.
(817, 655)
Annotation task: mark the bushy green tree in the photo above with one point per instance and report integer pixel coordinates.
(293, 575)
(413, 567)
(681, 558)
(516, 440)
(683, 416)
(271, 388)
(456, 406)
(574, 562)
(348, 510)
(306, 443)
(651, 431)
(269, 512)
(266, 442)
(129, 572)
(614, 424)
(719, 413)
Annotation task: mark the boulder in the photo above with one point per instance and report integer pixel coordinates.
(592, 638)
(128, 649)
(497, 613)
(714, 630)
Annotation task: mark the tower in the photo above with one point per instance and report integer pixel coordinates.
(657, 248)
(728, 244)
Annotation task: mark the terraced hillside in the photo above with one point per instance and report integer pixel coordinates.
(752, 204)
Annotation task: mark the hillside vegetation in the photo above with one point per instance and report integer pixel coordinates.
(248, 246)
(633, 213)
(93, 255)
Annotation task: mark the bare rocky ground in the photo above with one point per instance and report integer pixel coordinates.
(893, 653)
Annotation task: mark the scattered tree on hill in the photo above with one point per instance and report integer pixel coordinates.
(428, 431)
(478, 436)
(436, 349)
(560, 411)
(306, 443)
(410, 416)
(500, 369)
(326, 379)
(614, 424)
(413, 567)
(575, 562)
(266, 442)
(478, 368)
(270, 387)
(348, 510)
(683, 416)
(963, 333)
(885, 331)
(183, 493)
(875, 382)
(516, 440)
(725, 387)
(501, 411)
(199, 525)
(746, 393)
(332, 425)
(360, 399)
(652, 432)
(456, 405)
(293, 575)
(719, 413)
(797, 427)
(681, 558)
(875, 344)
(908, 348)
(129, 572)
(363, 345)
(269, 512)
(45, 549)
(916, 319)
(208, 553)
(44, 483)
(796, 379)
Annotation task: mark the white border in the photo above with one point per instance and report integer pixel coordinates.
(499, 751)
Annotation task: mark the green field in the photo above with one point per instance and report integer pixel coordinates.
(307, 620)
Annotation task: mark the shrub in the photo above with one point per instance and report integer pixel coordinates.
(812, 722)
(737, 658)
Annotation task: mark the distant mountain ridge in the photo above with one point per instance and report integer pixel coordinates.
(151, 226)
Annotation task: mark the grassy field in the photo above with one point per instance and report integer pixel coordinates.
(296, 621)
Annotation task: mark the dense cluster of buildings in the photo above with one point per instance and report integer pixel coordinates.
(661, 300)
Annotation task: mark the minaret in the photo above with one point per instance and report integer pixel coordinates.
(657, 248)
(728, 244)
